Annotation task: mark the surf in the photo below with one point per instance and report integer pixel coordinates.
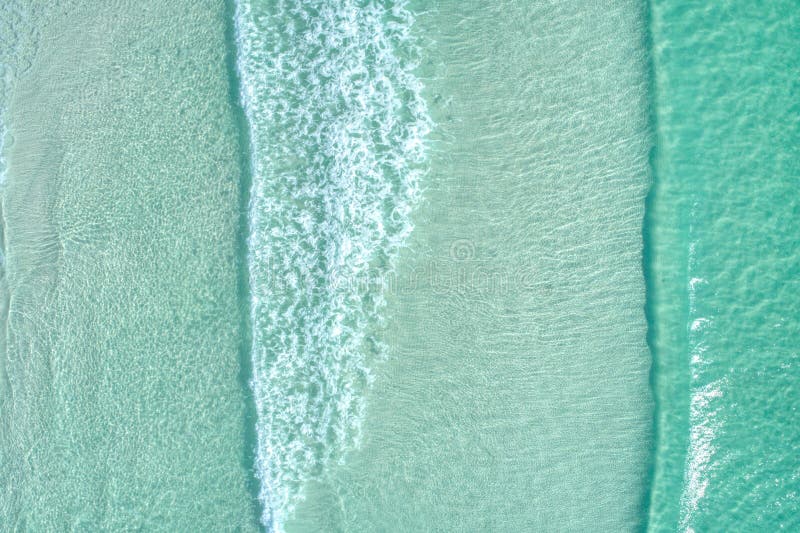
(337, 138)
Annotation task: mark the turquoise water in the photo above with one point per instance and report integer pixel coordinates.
(336, 125)
(725, 266)
(515, 393)
(376, 265)
(123, 404)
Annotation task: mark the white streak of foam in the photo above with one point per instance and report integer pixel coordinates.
(704, 408)
(705, 425)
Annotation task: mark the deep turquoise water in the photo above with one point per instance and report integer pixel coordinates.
(724, 271)
(376, 265)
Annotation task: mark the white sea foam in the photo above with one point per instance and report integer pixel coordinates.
(705, 421)
(705, 424)
(337, 125)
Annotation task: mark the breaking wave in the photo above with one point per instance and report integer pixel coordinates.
(337, 127)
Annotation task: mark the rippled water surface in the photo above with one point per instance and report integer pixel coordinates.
(397, 265)
(724, 227)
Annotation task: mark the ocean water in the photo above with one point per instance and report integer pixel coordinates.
(123, 402)
(337, 124)
(515, 393)
(725, 264)
(399, 265)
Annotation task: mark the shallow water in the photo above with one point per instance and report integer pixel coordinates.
(374, 265)
(337, 124)
(122, 403)
(515, 396)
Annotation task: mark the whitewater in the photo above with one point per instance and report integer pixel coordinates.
(337, 127)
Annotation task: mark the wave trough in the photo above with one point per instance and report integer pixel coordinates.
(337, 127)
